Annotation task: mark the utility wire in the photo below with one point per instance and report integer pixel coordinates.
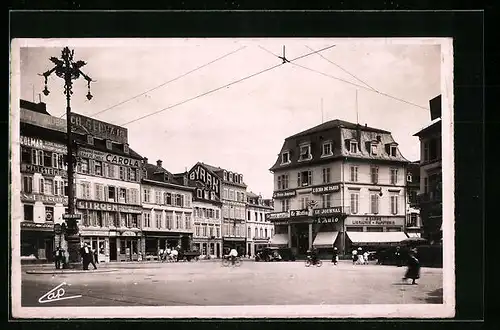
(341, 68)
(222, 87)
(167, 82)
(360, 86)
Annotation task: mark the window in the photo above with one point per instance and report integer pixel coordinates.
(85, 190)
(374, 203)
(261, 233)
(326, 200)
(212, 195)
(41, 186)
(394, 175)
(28, 212)
(178, 200)
(27, 184)
(374, 174)
(37, 157)
(58, 188)
(261, 217)
(134, 196)
(199, 193)
(354, 174)
(353, 146)
(126, 148)
(178, 221)
(412, 220)
(409, 177)
(169, 220)
(354, 203)
(327, 149)
(304, 178)
(109, 145)
(145, 195)
(285, 157)
(158, 219)
(97, 167)
(98, 192)
(256, 232)
(47, 158)
(197, 230)
(158, 197)
(230, 176)
(433, 149)
(122, 195)
(217, 215)
(90, 139)
(393, 151)
(283, 181)
(373, 149)
(231, 194)
(205, 194)
(225, 176)
(265, 233)
(168, 198)
(426, 185)
(26, 155)
(304, 202)
(131, 174)
(225, 193)
(122, 173)
(285, 205)
(249, 232)
(326, 175)
(55, 160)
(305, 152)
(84, 166)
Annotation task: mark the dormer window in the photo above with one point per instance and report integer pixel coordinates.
(236, 178)
(109, 144)
(353, 146)
(285, 157)
(409, 177)
(327, 149)
(125, 148)
(199, 193)
(393, 151)
(241, 178)
(305, 152)
(230, 176)
(373, 148)
(225, 176)
(90, 139)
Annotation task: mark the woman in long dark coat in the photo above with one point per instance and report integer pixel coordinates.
(413, 270)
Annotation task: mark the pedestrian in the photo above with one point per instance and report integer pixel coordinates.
(168, 251)
(354, 256)
(96, 256)
(58, 257)
(175, 254)
(335, 257)
(397, 256)
(93, 258)
(413, 270)
(365, 257)
(86, 256)
(160, 255)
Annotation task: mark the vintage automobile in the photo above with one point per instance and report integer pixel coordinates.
(269, 254)
(189, 255)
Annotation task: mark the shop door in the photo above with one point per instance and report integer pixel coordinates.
(49, 248)
(112, 249)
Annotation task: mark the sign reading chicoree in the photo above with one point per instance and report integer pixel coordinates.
(99, 128)
(103, 206)
(46, 171)
(375, 221)
(44, 198)
(110, 158)
(326, 189)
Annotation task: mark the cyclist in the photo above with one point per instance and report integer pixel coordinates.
(233, 254)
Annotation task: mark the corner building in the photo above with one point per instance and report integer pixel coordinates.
(259, 228)
(339, 184)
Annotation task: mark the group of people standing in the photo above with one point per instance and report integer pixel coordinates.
(89, 256)
(169, 254)
(359, 257)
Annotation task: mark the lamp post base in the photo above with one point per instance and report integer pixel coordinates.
(73, 249)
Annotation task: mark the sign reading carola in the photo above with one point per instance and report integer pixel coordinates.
(122, 160)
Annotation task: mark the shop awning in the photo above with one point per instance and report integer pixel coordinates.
(325, 239)
(413, 235)
(279, 239)
(373, 238)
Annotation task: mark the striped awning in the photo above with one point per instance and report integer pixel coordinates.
(325, 239)
(369, 238)
(279, 239)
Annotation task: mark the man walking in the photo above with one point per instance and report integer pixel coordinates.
(335, 257)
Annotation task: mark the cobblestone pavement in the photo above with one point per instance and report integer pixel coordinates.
(210, 284)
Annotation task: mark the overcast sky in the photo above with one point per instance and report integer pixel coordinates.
(241, 127)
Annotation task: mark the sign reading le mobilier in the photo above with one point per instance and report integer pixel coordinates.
(99, 128)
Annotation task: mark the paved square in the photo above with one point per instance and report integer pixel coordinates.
(207, 283)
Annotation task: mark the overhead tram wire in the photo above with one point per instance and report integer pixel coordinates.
(167, 82)
(224, 86)
(341, 68)
(371, 89)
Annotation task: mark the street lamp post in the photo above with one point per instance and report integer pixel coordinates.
(69, 70)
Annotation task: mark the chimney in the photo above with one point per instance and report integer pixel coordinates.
(366, 125)
(158, 163)
(145, 160)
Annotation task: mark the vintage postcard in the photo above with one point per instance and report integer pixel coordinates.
(232, 178)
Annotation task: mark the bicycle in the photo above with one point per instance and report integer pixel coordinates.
(226, 262)
(309, 262)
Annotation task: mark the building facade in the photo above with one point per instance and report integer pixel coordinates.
(259, 227)
(167, 214)
(233, 198)
(413, 221)
(339, 184)
(207, 211)
(430, 197)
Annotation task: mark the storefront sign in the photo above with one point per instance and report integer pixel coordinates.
(48, 171)
(94, 233)
(326, 189)
(374, 221)
(43, 145)
(110, 158)
(327, 220)
(71, 216)
(327, 211)
(277, 215)
(42, 120)
(128, 233)
(35, 225)
(44, 198)
(103, 206)
(99, 128)
(282, 194)
(299, 213)
(277, 223)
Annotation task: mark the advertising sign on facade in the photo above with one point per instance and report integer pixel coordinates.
(44, 198)
(283, 194)
(35, 225)
(99, 128)
(375, 221)
(103, 206)
(110, 158)
(42, 145)
(328, 211)
(42, 120)
(46, 171)
(277, 215)
(198, 173)
(299, 213)
(326, 189)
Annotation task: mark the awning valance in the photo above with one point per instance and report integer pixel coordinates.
(279, 239)
(413, 234)
(372, 238)
(325, 239)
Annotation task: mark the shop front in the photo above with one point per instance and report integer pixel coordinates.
(239, 243)
(208, 246)
(156, 240)
(98, 240)
(37, 239)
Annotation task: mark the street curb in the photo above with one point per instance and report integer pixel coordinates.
(69, 271)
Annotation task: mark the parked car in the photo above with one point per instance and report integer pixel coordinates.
(188, 255)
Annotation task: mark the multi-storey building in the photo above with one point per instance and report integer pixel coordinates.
(207, 210)
(259, 228)
(339, 184)
(233, 191)
(430, 197)
(413, 222)
(167, 210)
(43, 179)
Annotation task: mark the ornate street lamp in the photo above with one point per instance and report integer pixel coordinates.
(69, 70)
